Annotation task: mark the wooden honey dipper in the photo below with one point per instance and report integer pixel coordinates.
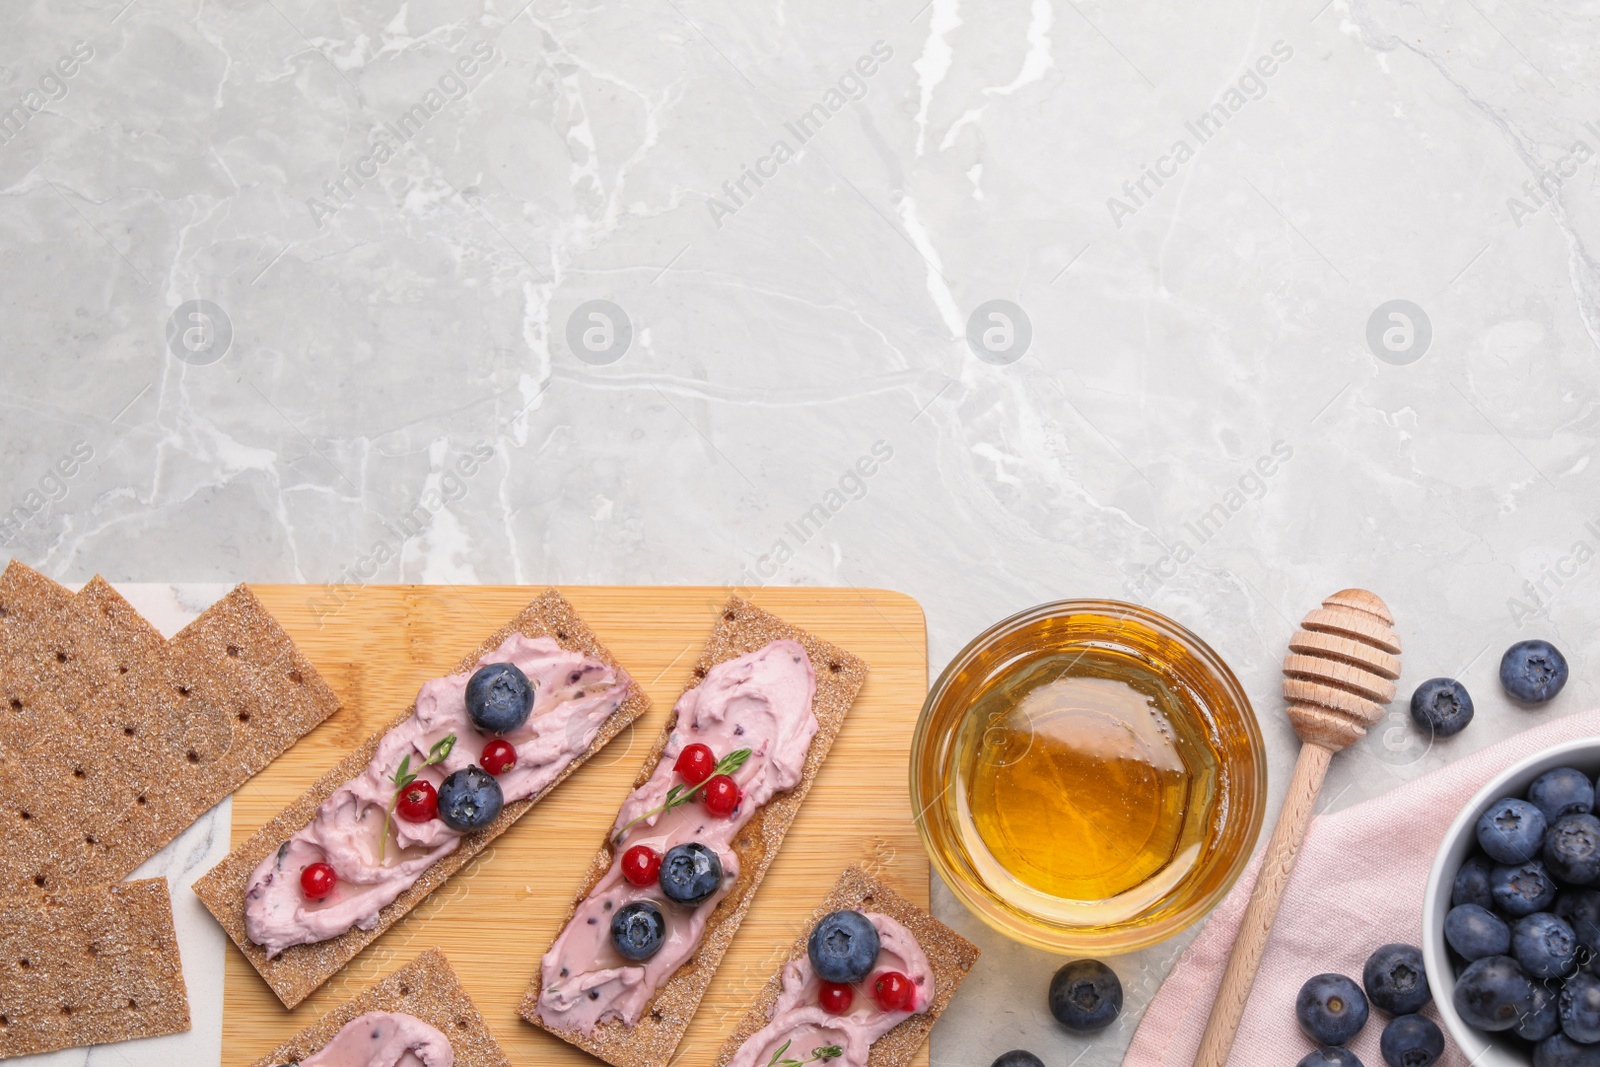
(1340, 671)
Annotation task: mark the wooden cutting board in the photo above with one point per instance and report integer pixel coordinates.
(376, 646)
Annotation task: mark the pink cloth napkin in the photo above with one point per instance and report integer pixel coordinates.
(1358, 884)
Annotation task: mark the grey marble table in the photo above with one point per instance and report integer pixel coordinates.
(1214, 307)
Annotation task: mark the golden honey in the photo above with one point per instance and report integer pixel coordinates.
(1089, 776)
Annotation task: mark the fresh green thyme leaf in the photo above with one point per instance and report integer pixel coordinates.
(821, 1052)
(403, 777)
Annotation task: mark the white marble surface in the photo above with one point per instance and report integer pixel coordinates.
(376, 337)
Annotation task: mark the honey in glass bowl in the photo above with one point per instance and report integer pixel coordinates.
(1089, 776)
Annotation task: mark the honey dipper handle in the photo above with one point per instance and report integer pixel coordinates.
(1276, 867)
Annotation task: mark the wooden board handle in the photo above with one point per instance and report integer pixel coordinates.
(1276, 867)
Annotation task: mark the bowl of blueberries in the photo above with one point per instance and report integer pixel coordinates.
(1511, 915)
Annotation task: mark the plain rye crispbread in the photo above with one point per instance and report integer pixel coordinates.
(88, 966)
(742, 628)
(113, 739)
(300, 969)
(427, 989)
(950, 957)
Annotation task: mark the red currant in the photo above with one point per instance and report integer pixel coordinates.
(894, 991)
(695, 764)
(419, 802)
(499, 756)
(641, 864)
(317, 881)
(720, 795)
(835, 997)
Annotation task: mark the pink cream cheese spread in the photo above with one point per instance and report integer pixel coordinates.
(574, 695)
(798, 1018)
(385, 1039)
(760, 701)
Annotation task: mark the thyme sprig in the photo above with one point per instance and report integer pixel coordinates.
(821, 1052)
(404, 776)
(679, 795)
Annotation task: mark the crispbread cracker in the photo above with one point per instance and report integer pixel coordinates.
(742, 628)
(427, 989)
(87, 966)
(950, 957)
(300, 969)
(113, 740)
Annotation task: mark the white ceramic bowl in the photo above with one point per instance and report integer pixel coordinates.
(1483, 1049)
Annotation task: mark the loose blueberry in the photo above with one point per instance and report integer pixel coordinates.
(1533, 671)
(470, 799)
(638, 930)
(1472, 882)
(1579, 1007)
(1085, 995)
(1561, 1051)
(1544, 945)
(690, 873)
(1522, 890)
(1017, 1058)
(843, 947)
(1330, 1056)
(1493, 993)
(1395, 979)
(1331, 1009)
(1511, 831)
(1544, 1020)
(1563, 791)
(1581, 909)
(1411, 1041)
(1441, 706)
(499, 698)
(1476, 932)
(1572, 849)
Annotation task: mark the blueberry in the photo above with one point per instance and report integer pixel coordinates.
(638, 930)
(1544, 945)
(1017, 1057)
(690, 873)
(1493, 993)
(1441, 706)
(1523, 890)
(1581, 909)
(1572, 849)
(1331, 1056)
(1579, 1006)
(1561, 1051)
(1472, 882)
(1533, 671)
(1411, 1041)
(843, 947)
(1511, 831)
(1476, 932)
(469, 799)
(1085, 995)
(1395, 980)
(1544, 1020)
(499, 697)
(1331, 1008)
(1563, 791)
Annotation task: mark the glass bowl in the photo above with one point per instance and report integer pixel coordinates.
(1088, 777)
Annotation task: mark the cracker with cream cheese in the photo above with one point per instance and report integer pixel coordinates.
(300, 969)
(742, 629)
